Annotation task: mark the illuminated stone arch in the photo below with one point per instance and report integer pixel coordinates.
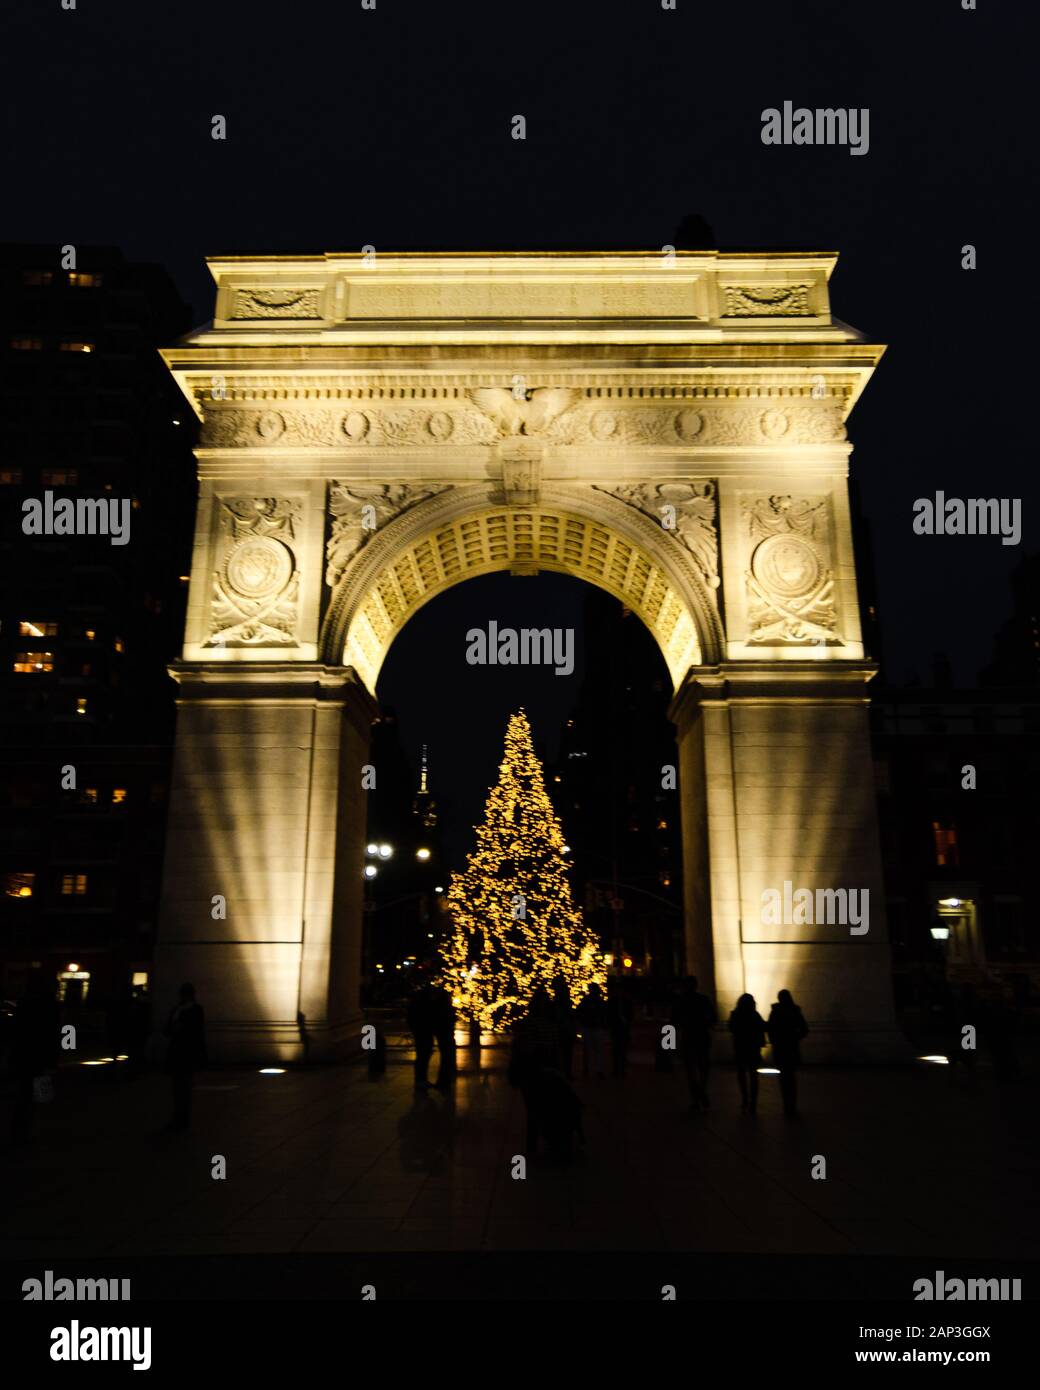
(463, 533)
(519, 411)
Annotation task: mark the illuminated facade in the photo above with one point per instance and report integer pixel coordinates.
(377, 429)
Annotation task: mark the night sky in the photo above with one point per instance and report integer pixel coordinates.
(392, 127)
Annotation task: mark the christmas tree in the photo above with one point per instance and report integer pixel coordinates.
(514, 927)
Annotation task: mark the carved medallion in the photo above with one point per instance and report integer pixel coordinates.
(790, 585)
(258, 567)
(256, 584)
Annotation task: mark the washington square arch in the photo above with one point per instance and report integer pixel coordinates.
(377, 428)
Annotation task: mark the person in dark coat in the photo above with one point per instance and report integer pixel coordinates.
(186, 1030)
(443, 1016)
(786, 1029)
(621, 1012)
(594, 1021)
(563, 1011)
(693, 1015)
(422, 1023)
(553, 1110)
(34, 1048)
(749, 1037)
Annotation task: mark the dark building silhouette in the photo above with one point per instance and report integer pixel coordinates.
(87, 626)
(956, 773)
(622, 823)
(404, 889)
(1016, 650)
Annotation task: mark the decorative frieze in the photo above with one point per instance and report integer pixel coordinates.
(557, 416)
(789, 579)
(256, 581)
(370, 425)
(708, 425)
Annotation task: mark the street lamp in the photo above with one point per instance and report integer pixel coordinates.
(422, 854)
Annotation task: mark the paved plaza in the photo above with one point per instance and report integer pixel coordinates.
(929, 1161)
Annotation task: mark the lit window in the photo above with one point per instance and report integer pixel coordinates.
(27, 344)
(89, 796)
(946, 849)
(84, 280)
(73, 885)
(59, 477)
(662, 824)
(32, 663)
(118, 796)
(89, 633)
(19, 885)
(81, 705)
(37, 277)
(118, 644)
(27, 628)
(11, 477)
(74, 345)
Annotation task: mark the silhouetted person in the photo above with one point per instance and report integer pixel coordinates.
(619, 1012)
(693, 1015)
(749, 1037)
(186, 1030)
(786, 1029)
(305, 1037)
(34, 1048)
(594, 1022)
(422, 1022)
(443, 1012)
(553, 1110)
(563, 1011)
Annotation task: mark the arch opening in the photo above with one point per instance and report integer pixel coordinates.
(378, 595)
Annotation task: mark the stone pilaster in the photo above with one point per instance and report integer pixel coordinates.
(266, 801)
(788, 798)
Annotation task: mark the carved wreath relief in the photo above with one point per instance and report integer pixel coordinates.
(256, 584)
(765, 301)
(790, 585)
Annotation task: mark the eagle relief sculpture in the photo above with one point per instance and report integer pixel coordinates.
(523, 412)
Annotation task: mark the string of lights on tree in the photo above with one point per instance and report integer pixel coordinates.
(514, 925)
